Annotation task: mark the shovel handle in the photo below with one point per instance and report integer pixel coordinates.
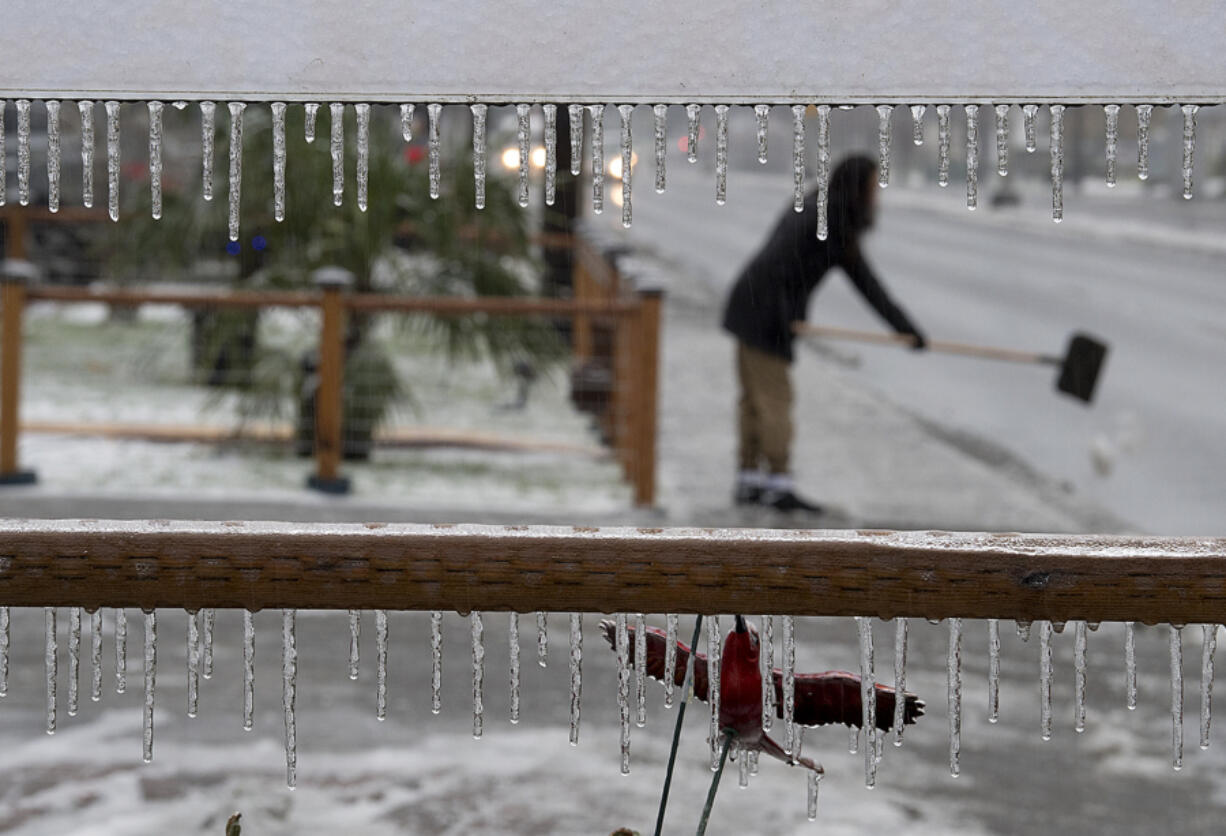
(1009, 355)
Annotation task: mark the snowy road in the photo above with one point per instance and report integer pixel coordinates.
(1158, 421)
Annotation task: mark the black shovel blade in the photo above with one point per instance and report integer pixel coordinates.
(1082, 363)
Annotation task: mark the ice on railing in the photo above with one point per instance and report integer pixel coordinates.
(478, 646)
(627, 164)
(1176, 646)
(248, 670)
(761, 114)
(236, 165)
(193, 664)
(640, 669)
(23, 152)
(289, 693)
(622, 641)
(884, 113)
(155, 158)
(868, 701)
(766, 658)
(798, 158)
(597, 112)
(942, 145)
(721, 154)
(1111, 115)
(151, 659)
(336, 149)
(1002, 140)
(479, 112)
(53, 155)
(434, 146)
(50, 663)
(542, 639)
(660, 114)
(972, 156)
(513, 642)
(1079, 670)
(436, 661)
(576, 674)
(380, 665)
(1208, 647)
(715, 642)
(789, 683)
(692, 114)
(900, 677)
(1057, 163)
(993, 670)
(670, 658)
(208, 132)
(74, 660)
(362, 112)
(1045, 673)
(95, 655)
(550, 112)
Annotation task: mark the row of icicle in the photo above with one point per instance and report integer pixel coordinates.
(575, 111)
(200, 663)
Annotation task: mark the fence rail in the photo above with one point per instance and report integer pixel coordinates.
(932, 574)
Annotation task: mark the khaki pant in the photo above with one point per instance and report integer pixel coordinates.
(765, 409)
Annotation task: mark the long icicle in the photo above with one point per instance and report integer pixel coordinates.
(434, 149)
(1002, 140)
(289, 693)
(622, 646)
(3, 155)
(721, 154)
(972, 156)
(513, 642)
(551, 152)
(1057, 163)
(868, 700)
(1111, 115)
(86, 108)
(1080, 633)
(479, 112)
(640, 669)
(380, 665)
(813, 781)
(954, 673)
(208, 133)
(406, 121)
(478, 647)
(1130, 665)
(4, 643)
(761, 115)
(1144, 113)
(766, 659)
(355, 633)
(310, 115)
(942, 145)
(151, 662)
(993, 670)
(1208, 646)
(155, 158)
(193, 662)
(336, 148)
(713, 684)
(789, 683)
(597, 111)
(362, 115)
(524, 136)
(660, 113)
(95, 656)
(74, 659)
(823, 168)
(236, 165)
(1189, 146)
(575, 114)
(670, 658)
(542, 639)
(208, 618)
(121, 651)
(1045, 631)
(248, 670)
(436, 661)
(23, 152)
(900, 678)
(798, 158)
(1176, 697)
(626, 111)
(112, 159)
(884, 114)
(576, 674)
(50, 664)
(53, 155)
(692, 114)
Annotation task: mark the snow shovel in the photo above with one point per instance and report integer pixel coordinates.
(1079, 367)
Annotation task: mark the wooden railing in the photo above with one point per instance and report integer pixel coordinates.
(634, 319)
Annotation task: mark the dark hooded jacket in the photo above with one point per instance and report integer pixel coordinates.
(773, 290)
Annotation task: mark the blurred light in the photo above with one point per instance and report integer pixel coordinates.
(510, 158)
(615, 196)
(615, 165)
(538, 157)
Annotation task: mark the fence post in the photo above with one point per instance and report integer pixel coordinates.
(332, 281)
(647, 338)
(14, 275)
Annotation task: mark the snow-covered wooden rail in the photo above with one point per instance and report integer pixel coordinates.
(933, 574)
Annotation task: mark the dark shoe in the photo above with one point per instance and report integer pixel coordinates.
(788, 501)
(747, 494)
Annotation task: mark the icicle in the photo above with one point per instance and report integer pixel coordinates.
(1023, 630)
(868, 700)
(766, 659)
(86, 109)
(435, 149)
(1028, 124)
(121, 651)
(1079, 667)
(436, 661)
(576, 674)
(622, 646)
(942, 145)
(53, 155)
(762, 115)
(355, 632)
(1130, 664)
(753, 761)
(478, 636)
(112, 159)
(661, 137)
(823, 168)
(626, 111)
(1111, 114)
(479, 112)
(209, 616)
(337, 150)
(3, 155)
(900, 678)
(95, 656)
(542, 639)
(4, 639)
(310, 113)
(853, 739)
(1176, 698)
(884, 112)
(692, 112)
(743, 778)
(917, 123)
(289, 692)
(972, 156)
(380, 665)
(1045, 679)
(670, 659)
(597, 112)
(151, 661)
(248, 670)
(993, 670)
(954, 672)
(193, 663)
(278, 161)
(1189, 146)
(721, 155)
(1144, 112)
(513, 633)
(1002, 140)
(551, 152)
(1208, 646)
(406, 122)
(575, 112)
(50, 665)
(236, 165)
(208, 131)
(155, 158)
(523, 133)
(814, 779)
(1057, 163)
(798, 158)
(74, 658)
(714, 646)
(23, 151)
(640, 670)
(789, 683)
